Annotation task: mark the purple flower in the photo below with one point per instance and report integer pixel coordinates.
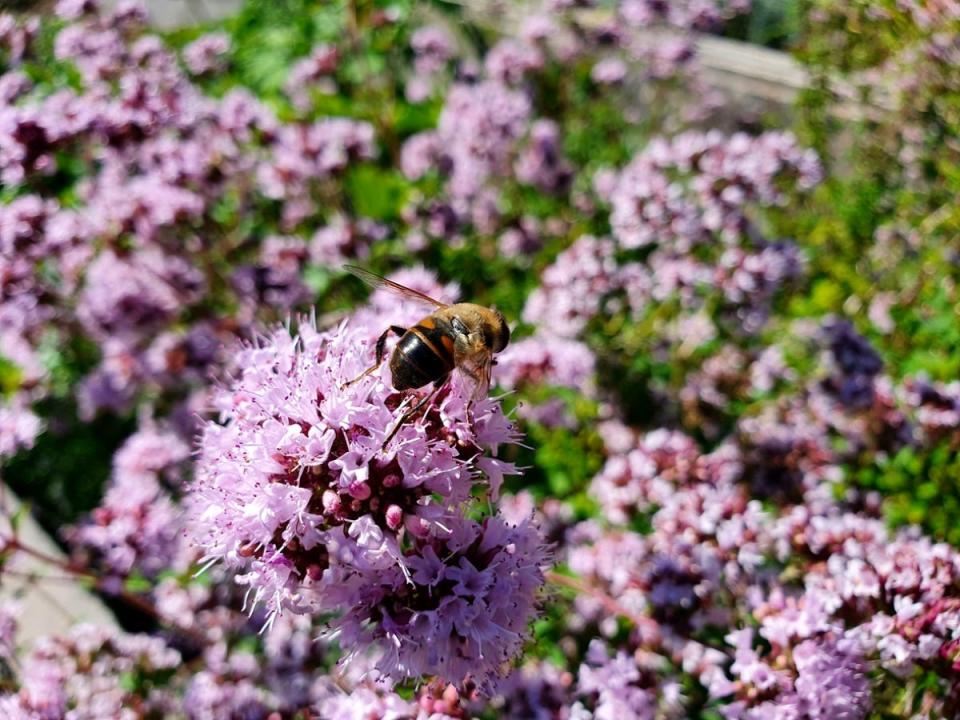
(368, 704)
(433, 47)
(478, 128)
(832, 681)
(681, 192)
(466, 624)
(344, 240)
(609, 71)
(22, 224)
(303, 154)
(541, 162)
(523, 241)
(314, 71)
(546, 359)
(206, 54)
(16, 37)
(422, 153)
(618, 685)
(296, 482)
(82, 674)
(856, 363)
(646, 474)
(136, 526)
(510, 60)
(700, 15)
(19, 426)
(573, 288)
(134, 296)
(275, 280)
(13, 86)
(749, 280)
(74, 9)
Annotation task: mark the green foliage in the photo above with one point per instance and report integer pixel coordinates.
(773, 23)
(64, 473)
(270, 36)
(881, 231)
(559, 462)
(921, 487)
(375, 192)
(10, 376)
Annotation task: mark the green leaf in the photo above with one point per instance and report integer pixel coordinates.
(10, 377)
(137, 583)
(375, 192)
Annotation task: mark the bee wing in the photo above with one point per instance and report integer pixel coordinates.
(378, 281)
(476, 364)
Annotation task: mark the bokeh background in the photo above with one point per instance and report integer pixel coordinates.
(724, 234)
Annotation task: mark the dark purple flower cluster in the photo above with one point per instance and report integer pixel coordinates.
(856, 362)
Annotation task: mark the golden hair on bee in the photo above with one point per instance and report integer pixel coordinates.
(461, 336)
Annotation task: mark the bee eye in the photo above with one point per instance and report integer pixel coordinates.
(459, 327)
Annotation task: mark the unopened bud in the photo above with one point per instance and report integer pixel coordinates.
(394, 517)
(391, 481)
(418, 527)
(314, 572)
(450, 695)
(331, 502)
(359, 490)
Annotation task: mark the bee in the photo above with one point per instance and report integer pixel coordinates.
(462, 336)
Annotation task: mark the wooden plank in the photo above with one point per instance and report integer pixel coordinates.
(167, 14)
(50, 601)
(743, 70)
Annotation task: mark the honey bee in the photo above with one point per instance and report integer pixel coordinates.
(462, 336)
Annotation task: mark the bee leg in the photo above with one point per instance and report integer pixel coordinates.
(412, 411)
(476, 378)
(381, 346)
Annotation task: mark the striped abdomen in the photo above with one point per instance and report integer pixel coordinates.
(423, 355)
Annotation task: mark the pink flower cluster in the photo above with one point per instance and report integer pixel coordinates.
(297, 491)
(696, 187)
(95, 672)
(573, 288)
(833, 594)
(690, 199)
(136, 526)
(687, 14)
(82, 675)
(490, 136)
